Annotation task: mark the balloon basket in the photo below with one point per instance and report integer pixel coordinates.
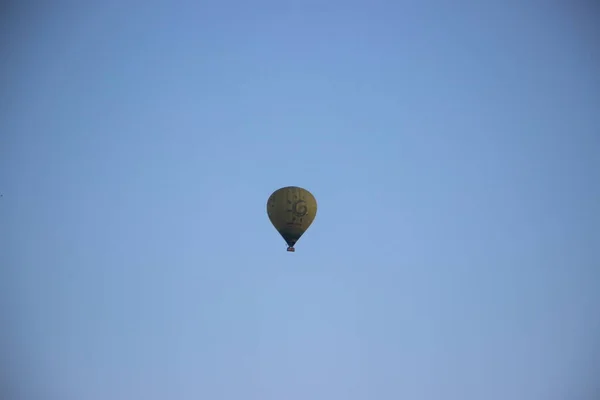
(291, 249)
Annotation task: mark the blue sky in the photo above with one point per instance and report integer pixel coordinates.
(453, 151)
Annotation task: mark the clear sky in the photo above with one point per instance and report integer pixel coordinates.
(453, 151)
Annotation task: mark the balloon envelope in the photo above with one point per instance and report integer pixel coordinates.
(291, 210)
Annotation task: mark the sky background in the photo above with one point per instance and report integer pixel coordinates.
(453, 151)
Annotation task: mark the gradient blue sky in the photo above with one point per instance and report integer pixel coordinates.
(453, 150)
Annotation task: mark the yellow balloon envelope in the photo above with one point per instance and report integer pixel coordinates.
(291, 210)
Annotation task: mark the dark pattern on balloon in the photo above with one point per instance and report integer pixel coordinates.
(299, 208)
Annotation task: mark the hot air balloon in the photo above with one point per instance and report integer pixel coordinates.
(291, 210)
